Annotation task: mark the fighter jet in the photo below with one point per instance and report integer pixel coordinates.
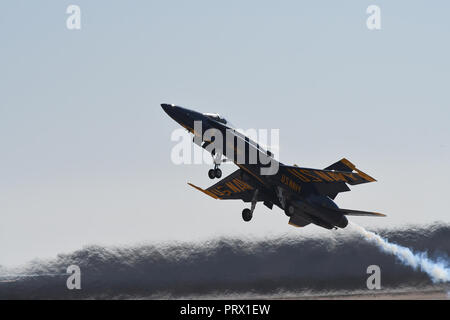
(304, 194)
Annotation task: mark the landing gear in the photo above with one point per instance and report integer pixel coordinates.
(247, 214)
(215, 173)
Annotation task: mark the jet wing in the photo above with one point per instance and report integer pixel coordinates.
(237, 185)
(329, 181)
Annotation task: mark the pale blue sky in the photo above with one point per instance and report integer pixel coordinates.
(85, 146)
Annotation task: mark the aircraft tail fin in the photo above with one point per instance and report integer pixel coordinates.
(347, 166)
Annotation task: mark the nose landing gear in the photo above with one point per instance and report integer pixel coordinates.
(217, 159)
(215, 173)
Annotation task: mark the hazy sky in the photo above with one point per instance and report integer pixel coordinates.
(85, 146)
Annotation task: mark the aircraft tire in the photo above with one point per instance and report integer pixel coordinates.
(218, 173)
(247, 215)
(211, 174)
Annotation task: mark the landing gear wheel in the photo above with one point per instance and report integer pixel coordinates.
(218, 173)
(247, 215)
(211, 174)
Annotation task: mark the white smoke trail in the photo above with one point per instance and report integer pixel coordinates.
(438, 271)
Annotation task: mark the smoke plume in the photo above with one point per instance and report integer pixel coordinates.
(438, 271)
(297, 266)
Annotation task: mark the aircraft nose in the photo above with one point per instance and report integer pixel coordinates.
(173, 111)
(170, 109)
(183, 116)
(167, 107)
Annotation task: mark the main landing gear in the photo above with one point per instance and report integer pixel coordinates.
(247, 214)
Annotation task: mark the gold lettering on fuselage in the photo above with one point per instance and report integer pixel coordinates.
(290, 183)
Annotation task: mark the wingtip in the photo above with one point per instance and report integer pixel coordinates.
(212, 195)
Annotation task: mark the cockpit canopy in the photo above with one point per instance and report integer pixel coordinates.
(216, 117)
